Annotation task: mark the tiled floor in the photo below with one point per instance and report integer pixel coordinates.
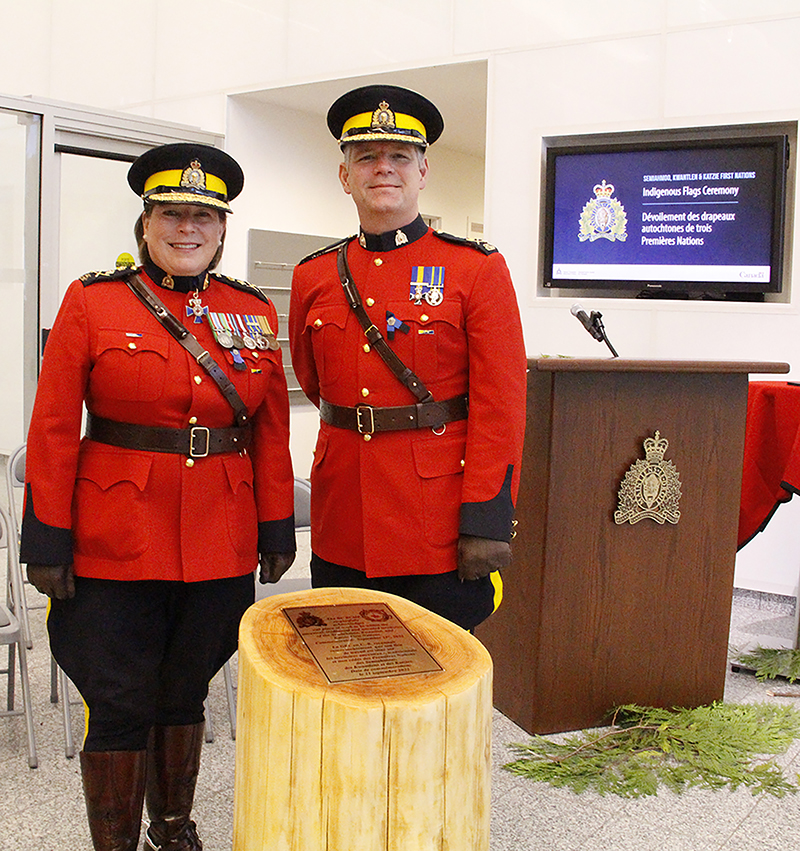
(42, 809)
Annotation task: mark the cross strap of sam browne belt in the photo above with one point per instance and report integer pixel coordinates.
(182, 334)
(364, 418)
(373, 335)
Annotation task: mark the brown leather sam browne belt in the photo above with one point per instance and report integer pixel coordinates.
(196, 441)
(367, 420)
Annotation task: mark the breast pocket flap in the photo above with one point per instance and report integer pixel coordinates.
(448, 312)
(440, 457)
(107, 469)
(132, 343)
(323, 315)
(238, 469)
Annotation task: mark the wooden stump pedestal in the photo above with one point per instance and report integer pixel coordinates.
(391, 764)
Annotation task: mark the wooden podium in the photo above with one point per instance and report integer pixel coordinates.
(597, 614)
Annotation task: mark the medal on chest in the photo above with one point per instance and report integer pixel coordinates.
(227, 338)
(262, 332)
(235, 331)
(196, 307)
(427, 282)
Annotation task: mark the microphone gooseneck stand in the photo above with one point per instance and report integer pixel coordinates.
(597, 322)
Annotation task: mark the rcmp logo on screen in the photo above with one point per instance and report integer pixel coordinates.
(603, 217)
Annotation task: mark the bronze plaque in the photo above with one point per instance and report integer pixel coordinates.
(359, 641)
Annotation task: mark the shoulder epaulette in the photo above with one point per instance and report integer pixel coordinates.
(112, 275)
(237, 284)
(327, 250)
(477, 244)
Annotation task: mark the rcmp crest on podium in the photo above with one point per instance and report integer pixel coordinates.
(651, 487)
(603, 217)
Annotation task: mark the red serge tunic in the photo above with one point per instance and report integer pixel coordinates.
(395, 504)
(131, 514)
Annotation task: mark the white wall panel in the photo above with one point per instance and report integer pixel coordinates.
(745, 71)
(333, 39)
(216, 45)
(25, 61)
(686, 13)
(208, 112)
(770, 561)
(101, 54)
(575, 86)
(503, 24)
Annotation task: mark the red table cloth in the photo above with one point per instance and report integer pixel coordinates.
(771, 473)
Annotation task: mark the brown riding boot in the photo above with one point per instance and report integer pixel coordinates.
(173, 760)
(113, 785)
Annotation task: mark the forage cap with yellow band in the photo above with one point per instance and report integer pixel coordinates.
(187, 173)
(385, 114)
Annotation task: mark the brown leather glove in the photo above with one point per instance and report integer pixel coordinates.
(478, 557)
(55, 580)
(273, 566)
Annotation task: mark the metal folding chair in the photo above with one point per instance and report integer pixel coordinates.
(13, 635)
(15, 481)
(302, 505)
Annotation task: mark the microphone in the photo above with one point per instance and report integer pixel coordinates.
(588, 323)
(594, 325)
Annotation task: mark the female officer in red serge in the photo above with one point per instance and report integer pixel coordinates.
(414, 477)
(145, 534)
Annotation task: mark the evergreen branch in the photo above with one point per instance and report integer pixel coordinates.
(717, 746)
(772, 662)
(593, 743)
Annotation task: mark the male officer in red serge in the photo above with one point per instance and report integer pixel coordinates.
(410, 343)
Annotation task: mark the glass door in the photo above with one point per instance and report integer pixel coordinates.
(65, 209)
(97, 214)
(20, 140)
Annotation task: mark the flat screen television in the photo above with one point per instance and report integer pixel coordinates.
(687, 213)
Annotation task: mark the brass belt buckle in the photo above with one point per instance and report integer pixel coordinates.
(360, 412)
(199, 432)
